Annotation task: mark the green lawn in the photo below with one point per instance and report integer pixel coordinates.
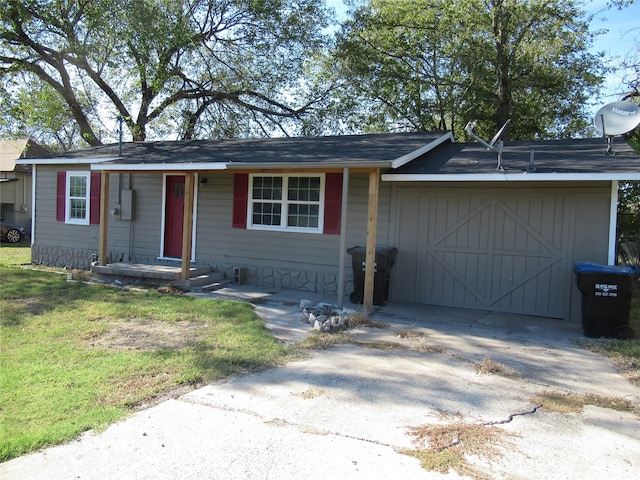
(77, 356)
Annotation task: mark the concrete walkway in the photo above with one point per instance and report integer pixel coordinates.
(346, 412)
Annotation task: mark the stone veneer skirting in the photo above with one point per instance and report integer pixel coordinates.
(270, 277)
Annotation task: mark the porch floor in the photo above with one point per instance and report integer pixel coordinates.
(142, 270)
(156, 274)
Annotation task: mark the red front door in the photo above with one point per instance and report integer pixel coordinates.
(174, 216)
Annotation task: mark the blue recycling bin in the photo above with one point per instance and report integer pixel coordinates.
(606, 299)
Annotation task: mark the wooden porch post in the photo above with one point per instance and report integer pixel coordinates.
(104, 218)
(372, 225)
(187, 227)
(343, 235)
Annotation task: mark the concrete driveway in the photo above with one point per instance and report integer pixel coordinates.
(347, 412)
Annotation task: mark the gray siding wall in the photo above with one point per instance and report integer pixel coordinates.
(57, 243)
(279, 259)
(74, 246)
(269, 255)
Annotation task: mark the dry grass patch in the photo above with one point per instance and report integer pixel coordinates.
(310, 393)
(441, 448)
(147, 334)
(574, 403)
(424, 348)
(410, 334)
(361, 319)
(321, 341)
(624, 353)
(491, 367)
(382, 345)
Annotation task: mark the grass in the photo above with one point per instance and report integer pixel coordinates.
(574, 403)
(625, 353)
(491, 367)
(77, 356)
(442, 448)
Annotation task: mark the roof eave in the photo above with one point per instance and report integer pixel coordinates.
(154, 167)
(62, 161)
(308, 165)
(404, 159)
(511, 177)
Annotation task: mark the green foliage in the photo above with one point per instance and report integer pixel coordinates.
(68, 363)
(193, 68)
(436, 64)
(629, 210)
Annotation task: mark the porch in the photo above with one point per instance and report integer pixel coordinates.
(201, 278)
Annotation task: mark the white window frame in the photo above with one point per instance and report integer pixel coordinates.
(283, 227)
(87, 198)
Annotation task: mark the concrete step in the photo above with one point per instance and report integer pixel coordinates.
(197, 282)
(205, 279)
(215, 286)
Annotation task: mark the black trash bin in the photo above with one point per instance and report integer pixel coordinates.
(606, 299)
(385, 258)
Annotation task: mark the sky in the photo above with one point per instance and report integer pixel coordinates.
(621, 37)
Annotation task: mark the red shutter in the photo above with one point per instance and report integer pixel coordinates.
(61, 196)
(332, 202)
(94, 198)
(240, 199)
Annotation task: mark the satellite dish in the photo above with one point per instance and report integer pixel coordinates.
(491, 145)
(616, 118)
(498, 135)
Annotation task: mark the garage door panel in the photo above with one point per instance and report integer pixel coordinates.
(494, 252)
(451, 286)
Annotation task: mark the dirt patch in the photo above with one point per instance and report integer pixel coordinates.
(151, 335)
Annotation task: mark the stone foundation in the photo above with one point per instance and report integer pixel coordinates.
(71, 258)
(269, 277)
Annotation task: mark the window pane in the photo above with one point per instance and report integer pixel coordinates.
(304, 189)
(78, 186)
(303, 215)
(267, 188)
(266, 213)
(78, 209)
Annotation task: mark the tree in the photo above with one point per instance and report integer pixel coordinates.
(34, 110)
(425, 64)
(184, 68)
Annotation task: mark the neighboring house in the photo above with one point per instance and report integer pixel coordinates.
(15, 181)
(468, 234)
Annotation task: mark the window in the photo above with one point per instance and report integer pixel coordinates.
(78, 197)
(286, 202)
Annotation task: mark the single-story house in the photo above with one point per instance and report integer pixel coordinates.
(283, 211)
(15, 181)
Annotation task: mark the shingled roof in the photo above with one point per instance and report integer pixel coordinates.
(424, 156)
(348, 150)
(561, 159)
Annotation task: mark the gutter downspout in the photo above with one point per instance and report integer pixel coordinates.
(343, 236)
